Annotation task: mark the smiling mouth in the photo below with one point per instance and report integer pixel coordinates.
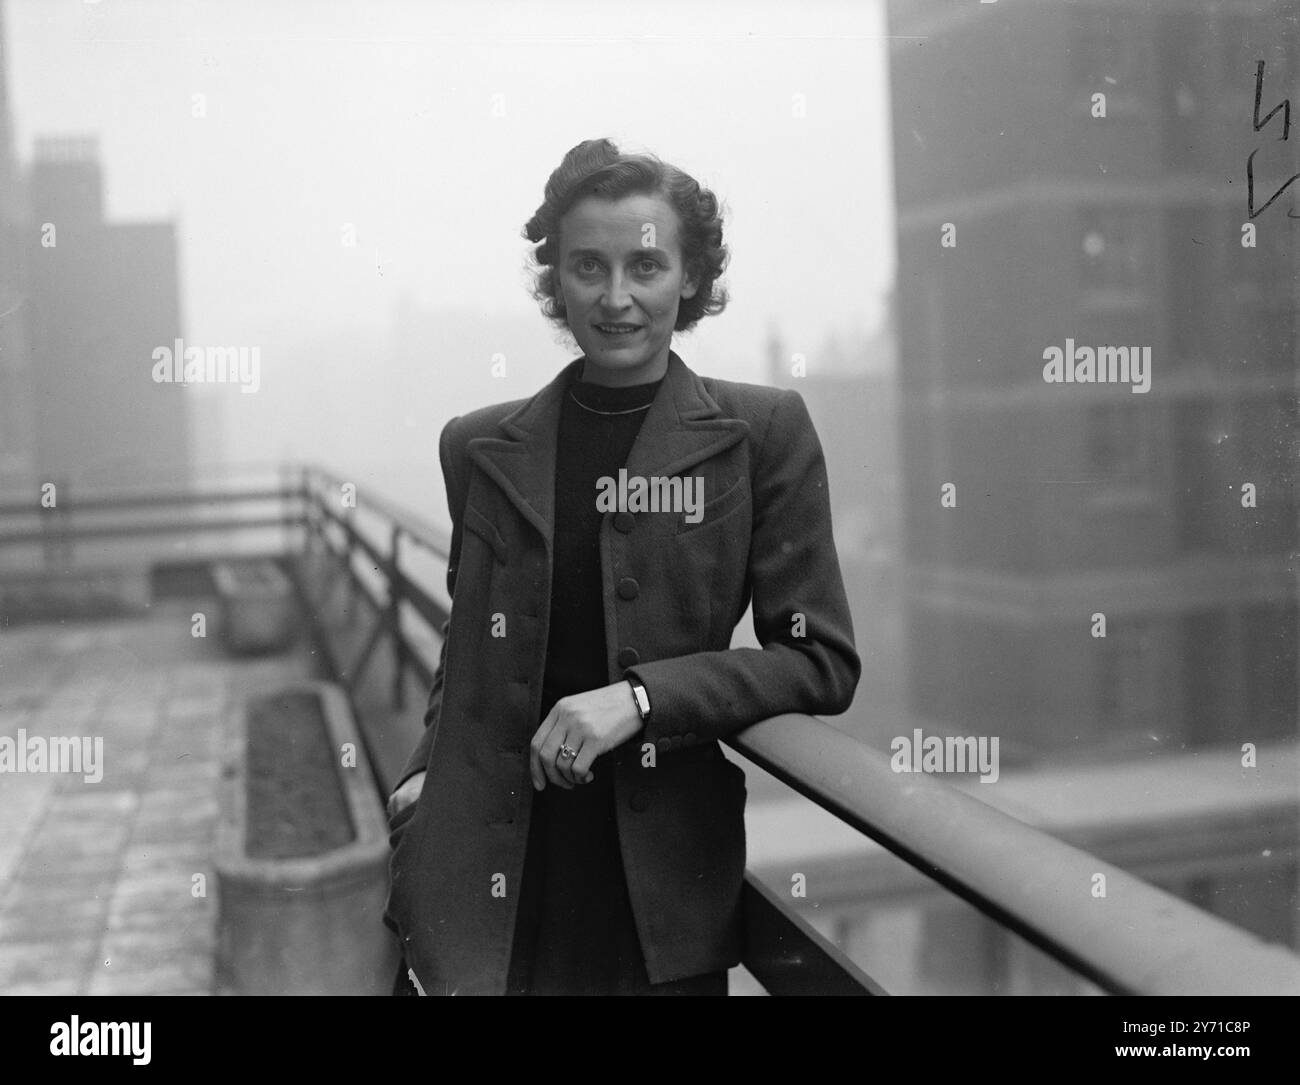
(617, 329)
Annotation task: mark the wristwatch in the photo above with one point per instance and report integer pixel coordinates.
(642, 698)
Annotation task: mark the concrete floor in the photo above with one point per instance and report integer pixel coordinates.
(107, 887)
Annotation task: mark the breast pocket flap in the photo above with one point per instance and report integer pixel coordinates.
(485, 529)
(736, 495)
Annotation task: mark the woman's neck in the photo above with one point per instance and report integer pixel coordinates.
(614, 376)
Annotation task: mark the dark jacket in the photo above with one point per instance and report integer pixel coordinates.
(674, 592)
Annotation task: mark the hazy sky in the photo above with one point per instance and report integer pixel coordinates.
(432, 129)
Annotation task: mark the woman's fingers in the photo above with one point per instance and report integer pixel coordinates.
(557, 770)
(546, 764)
(535, 764)
(546, 750)
(405, 795)
(580, 767)
(549, 755)
(568, 765)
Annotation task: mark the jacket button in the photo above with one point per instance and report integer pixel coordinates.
(641, 799)
(628, 657)
(624, 522)
(628, 588)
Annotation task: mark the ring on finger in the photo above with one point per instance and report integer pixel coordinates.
(567, 753)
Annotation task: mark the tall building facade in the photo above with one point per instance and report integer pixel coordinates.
(104, 296)
(84, 303)
(1068, 176)
(17, 446)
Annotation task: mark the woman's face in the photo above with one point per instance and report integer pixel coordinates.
(621, 277)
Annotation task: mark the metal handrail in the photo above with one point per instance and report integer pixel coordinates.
(66, 522)
(419, 530)
(153, 499)
(1025, 880)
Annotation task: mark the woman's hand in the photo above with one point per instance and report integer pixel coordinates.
(591, 723)
(410, 790)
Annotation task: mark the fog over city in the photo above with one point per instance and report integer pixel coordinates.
(349, 183)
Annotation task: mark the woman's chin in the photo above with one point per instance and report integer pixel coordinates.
(617, 362)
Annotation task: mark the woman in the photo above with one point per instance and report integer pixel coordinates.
(568, 823)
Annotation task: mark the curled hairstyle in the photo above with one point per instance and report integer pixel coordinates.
(596, 167)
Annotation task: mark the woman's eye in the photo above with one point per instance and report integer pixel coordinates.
(587, 264)
(648, 267)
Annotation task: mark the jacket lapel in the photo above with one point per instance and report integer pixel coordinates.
(683, 427)
(523, 462)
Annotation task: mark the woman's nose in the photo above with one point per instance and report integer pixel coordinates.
(616, 297)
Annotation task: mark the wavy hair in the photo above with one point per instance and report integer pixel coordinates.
(596, 167)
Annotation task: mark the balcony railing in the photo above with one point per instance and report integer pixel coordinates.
(1141, 940)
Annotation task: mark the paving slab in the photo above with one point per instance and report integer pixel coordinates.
(97, 878)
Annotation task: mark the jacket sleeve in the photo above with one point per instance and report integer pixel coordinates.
(807, 662)
(453, 480)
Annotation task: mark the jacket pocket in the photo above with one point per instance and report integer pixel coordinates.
(730, 500)
(397, 823)
(486, 530)
(689, 863)
(399, 872)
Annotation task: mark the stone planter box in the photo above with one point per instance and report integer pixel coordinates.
(257, 608)
(300, 923)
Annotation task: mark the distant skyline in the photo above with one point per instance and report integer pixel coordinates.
(321, 118)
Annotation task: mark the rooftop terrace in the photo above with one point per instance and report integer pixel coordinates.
(98, 887)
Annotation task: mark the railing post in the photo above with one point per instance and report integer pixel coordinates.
(395, 620)
(348, 519)
(320, 519)
(58, 552)
(284, 483)
(304, 504)
(306, 511)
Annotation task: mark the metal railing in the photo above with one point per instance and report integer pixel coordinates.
(1139, 940)
(73, 519)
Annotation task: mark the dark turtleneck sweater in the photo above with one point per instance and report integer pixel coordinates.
(574, 930)
(589, 446)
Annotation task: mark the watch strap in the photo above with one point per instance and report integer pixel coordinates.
(641, 697)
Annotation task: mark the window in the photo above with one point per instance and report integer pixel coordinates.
(1120, 442)
(1270, 657)
(1122, 460)
(1128, 676)
(1187, 87)
(1108, 53)
(1262, 321)
(1193, 244)
(1115, 249)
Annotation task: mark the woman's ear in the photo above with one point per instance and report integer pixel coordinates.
(690, 283)
(557, 288)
